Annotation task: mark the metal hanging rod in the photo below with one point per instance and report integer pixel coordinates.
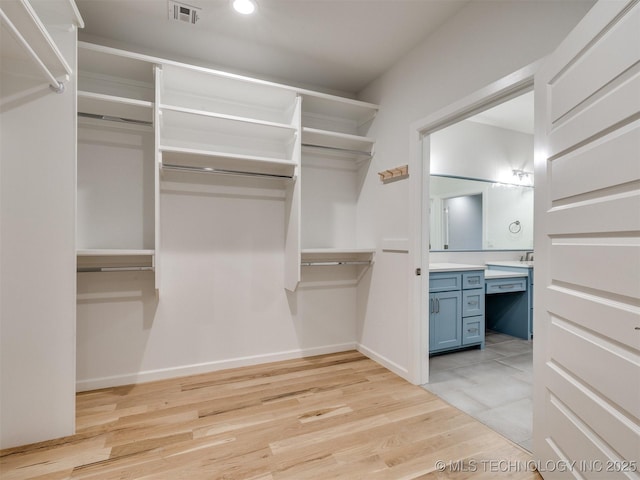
(338, 149)
(111, 118)
(55, 85)
(219, 171)
(114, 269)
(331, 264)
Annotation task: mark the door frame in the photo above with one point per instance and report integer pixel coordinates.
(506, 88)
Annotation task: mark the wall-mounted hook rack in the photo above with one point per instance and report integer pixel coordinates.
(394, 173)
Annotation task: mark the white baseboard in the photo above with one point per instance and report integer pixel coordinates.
(172, 372)
(385, 362)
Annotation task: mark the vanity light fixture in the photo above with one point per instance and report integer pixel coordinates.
(521, 174)
(245, 7)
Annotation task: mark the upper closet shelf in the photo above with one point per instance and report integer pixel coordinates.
(113, 63)
(189, 119)
(318, 104)
(114, 107)
(217, 92)
(25, 38)
(351, 144)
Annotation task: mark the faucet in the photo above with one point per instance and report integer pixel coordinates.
(527, 257)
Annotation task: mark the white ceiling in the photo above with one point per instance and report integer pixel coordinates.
(339, 45)
(515, 114)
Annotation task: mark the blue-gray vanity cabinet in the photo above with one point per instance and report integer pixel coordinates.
(456, 310)
(445, 329)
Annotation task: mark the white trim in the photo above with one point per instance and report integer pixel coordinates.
(385, 362)
(493, 94)
(173, 372)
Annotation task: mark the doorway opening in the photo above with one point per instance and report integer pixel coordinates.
(477, 146)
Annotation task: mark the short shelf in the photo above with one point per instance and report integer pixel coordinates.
(323, 105)
(186, 158)
(336, 256)
(205, 131)
(113, 106)
(115, 260)
(213, 91)
(342, 142)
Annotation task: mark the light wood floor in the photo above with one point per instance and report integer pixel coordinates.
(339, 416)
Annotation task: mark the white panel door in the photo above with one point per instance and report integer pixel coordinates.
(587, 299)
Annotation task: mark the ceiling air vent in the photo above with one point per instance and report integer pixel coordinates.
(183, 12)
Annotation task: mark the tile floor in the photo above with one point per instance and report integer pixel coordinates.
(494, 385)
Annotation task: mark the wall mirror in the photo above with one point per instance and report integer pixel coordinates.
(469, 214)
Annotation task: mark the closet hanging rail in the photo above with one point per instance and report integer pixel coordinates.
(111, 118)
(338, 149)
(331, 264)
(114, 269)
(55, 85)
(220, 171)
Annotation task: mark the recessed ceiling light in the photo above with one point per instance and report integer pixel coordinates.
(245, 7)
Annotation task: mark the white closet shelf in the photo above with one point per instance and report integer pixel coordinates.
(115, 260)
(114, 63)
(114, 106)
(314, 103)
(340, 141)
(228, 88)
(25, 19)
(332, 256)
(113, 252)
(58, 13)
(190, 157)
(189, 119)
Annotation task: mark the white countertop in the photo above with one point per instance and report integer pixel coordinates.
(453, 267)
(489, 274)
(512, 263)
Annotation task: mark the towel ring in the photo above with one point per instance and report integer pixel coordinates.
(515, 227)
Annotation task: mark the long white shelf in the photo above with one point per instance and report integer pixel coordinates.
(115, 260)
(339, 141)
(112, 252)
(208, 87)
(186, 118)
(114, 106)
(190, 157)
(25, 19)
(344, 108)
(336, 256)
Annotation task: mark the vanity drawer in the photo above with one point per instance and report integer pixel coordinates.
(473, 330)
(473, 279)
(506, 285)
(472, 302)
(444, 281)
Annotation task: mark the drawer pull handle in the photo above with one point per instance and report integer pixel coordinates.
(472, 330)
(474, 302)
(510, 285)
(474, 280)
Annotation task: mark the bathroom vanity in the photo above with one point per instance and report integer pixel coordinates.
(509, 302)
(456, 306)
(465, 299)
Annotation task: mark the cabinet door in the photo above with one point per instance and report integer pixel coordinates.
(445, 320)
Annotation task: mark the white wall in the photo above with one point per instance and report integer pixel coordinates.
(475, 150)
(222, 301)
(37, 257)
(484, 42)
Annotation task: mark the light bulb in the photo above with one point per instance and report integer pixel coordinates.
(245, 7)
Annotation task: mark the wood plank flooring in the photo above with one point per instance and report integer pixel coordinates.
(338, 416)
